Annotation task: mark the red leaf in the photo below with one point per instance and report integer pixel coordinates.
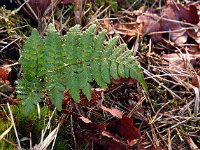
(39, 6)
(190, 15)
(125, 128)
(4, 73)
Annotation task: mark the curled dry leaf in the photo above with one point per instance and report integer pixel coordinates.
(115, 112)
(150, 24)
(179, 62)
(168, 20)
(126, 29)
(177, 33)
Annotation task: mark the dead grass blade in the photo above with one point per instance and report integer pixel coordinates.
(13, 124)
(5, 132)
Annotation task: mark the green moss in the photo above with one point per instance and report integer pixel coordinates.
(31, 122)
(25, 124)
(12, 24)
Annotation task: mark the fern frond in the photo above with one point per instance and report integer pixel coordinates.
(29, 88)
(72, 63)
(33, 56)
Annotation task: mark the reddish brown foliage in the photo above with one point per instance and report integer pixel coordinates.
(39, 6)
(125, 128)
(180, 62)
(168, 19)
(4, 73)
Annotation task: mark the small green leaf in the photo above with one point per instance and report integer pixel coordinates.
(121, 69)
(117, 51)
(125, 55)
(126, 71)
(98, 44)
(87, 91)
(96, 72)
(74, 90)
(56, 97)
(105, 71)
(114, 70)
(109, 47)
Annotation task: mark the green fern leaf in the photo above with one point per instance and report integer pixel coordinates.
(72, 63)
(32, 56)
(56, 94)
(84, 76)
(105, 71)
(99, 44)
(121, 70)
(73, 87)
(126, 71)
(117, 51)
(70, 51)
(125, 55)
(53, 50)
(110, 46)
(96, 72)
(114, 70)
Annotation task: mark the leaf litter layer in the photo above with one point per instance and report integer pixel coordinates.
(123, 116)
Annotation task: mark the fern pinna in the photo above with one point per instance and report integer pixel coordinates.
(71, 63)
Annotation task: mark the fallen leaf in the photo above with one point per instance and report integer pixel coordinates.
(195, 33)
(115, 112)
(4, 72)
(86, 120)
(178, 63)
(189, 14)
(150, 24)
(177, 32)
(168, 20)
(125, 128)
(126, 29)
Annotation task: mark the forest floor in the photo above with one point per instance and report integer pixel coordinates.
(165, 39)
